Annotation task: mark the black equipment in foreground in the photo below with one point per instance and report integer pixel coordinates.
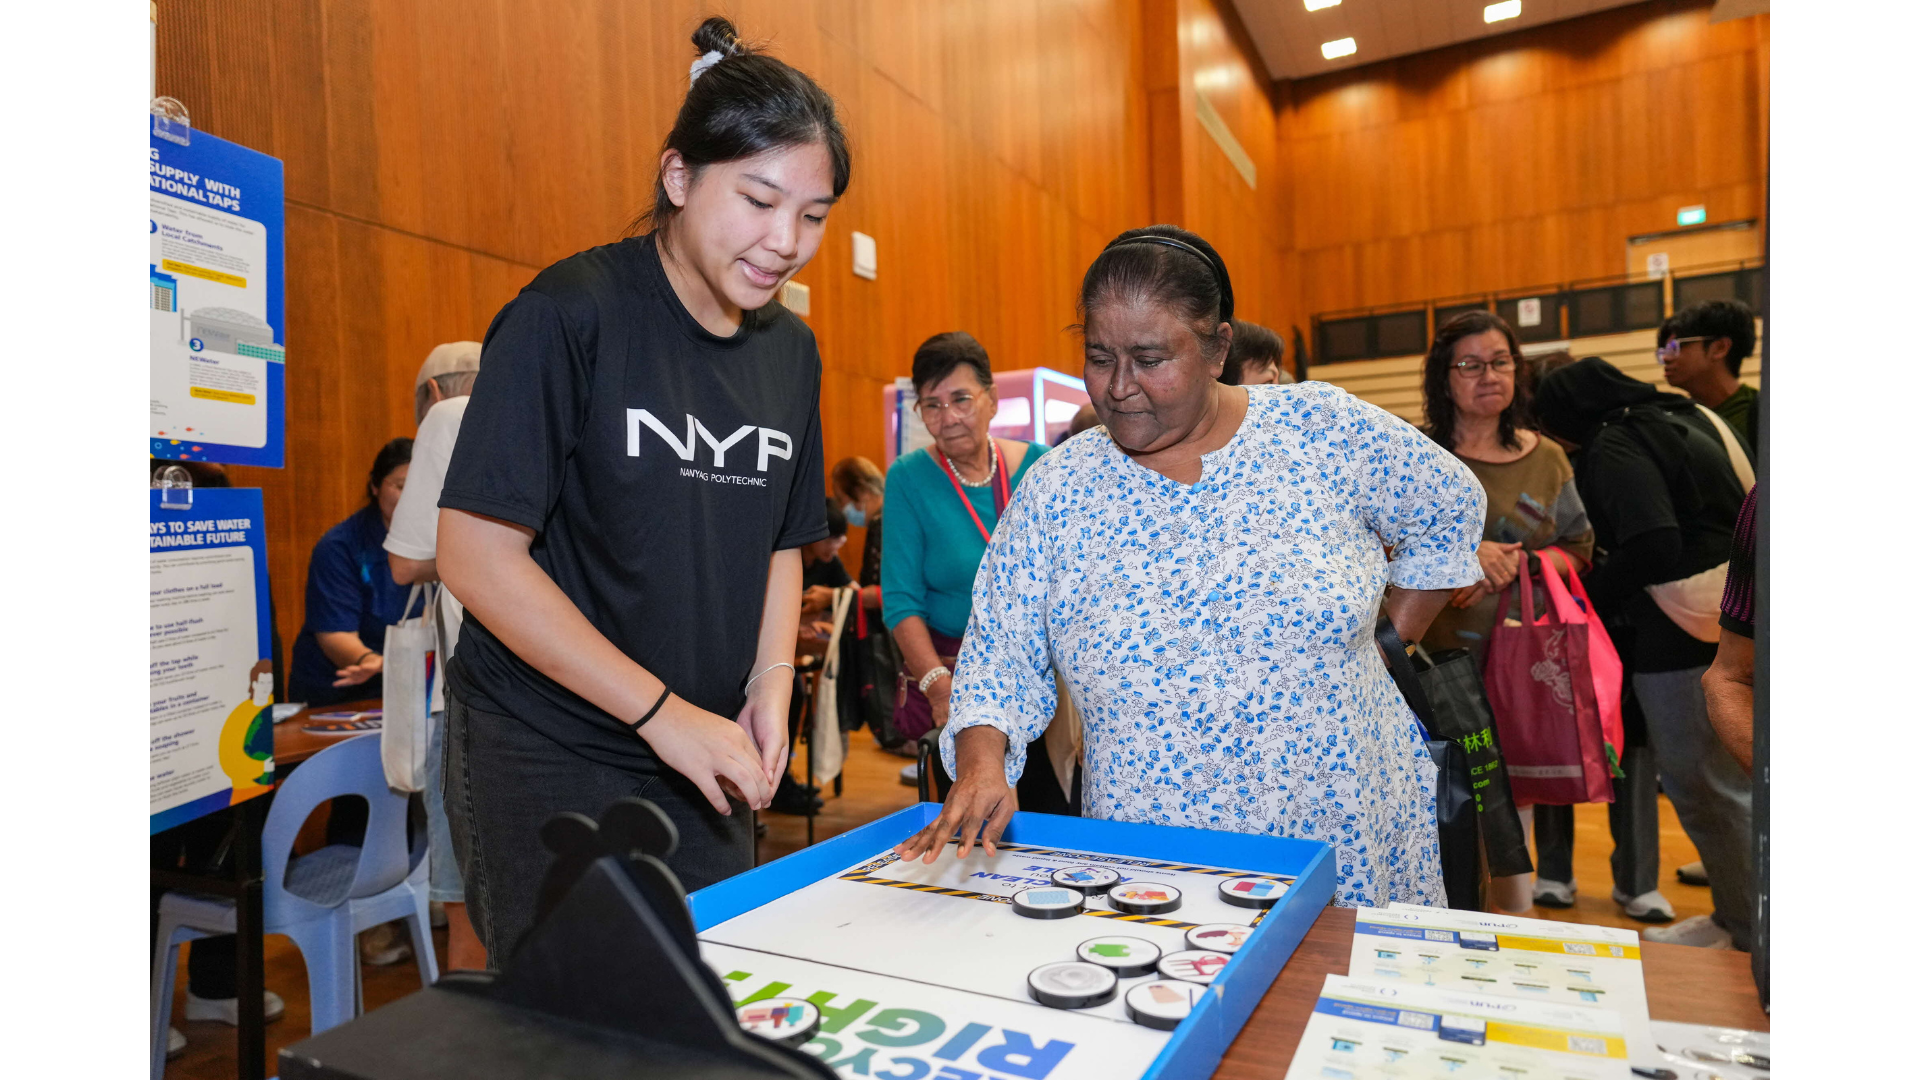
(608, 983)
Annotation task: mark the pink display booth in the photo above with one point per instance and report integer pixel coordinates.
(1035, 404)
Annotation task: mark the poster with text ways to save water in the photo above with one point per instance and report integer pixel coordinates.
(216, 302)
(210, 721)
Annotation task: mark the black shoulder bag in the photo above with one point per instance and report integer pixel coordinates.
(1471, 796)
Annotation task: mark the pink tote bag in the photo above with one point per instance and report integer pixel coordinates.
(1603, 660)
(1545, 699)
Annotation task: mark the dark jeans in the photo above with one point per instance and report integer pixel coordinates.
(1633, 817)
(503, 780)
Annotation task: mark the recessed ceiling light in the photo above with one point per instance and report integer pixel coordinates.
(1334, 50)
(1505, 9)
(1316, 5)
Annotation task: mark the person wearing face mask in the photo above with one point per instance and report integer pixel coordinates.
(947, 500)
(623, 513)
(860, 488)
(1206, 573)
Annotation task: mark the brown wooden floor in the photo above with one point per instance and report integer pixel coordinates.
(872, 790)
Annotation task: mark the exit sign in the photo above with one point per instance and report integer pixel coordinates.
(1693, 215)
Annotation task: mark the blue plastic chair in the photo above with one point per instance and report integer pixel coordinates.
(320, 900)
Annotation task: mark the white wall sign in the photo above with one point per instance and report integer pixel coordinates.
(866, 256)
(1530, 311)
(1657, 264)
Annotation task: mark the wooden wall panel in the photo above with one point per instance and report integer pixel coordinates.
(438, 154)
(1523, 159)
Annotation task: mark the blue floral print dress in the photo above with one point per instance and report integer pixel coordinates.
(1218, 638)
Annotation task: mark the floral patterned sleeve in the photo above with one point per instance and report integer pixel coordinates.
(1005, 676)
(1424, 503)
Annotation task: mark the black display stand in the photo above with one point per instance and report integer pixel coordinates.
(607, 983)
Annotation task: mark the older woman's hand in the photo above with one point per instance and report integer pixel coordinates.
(940, 696)
(1500, 562)
(979, 803)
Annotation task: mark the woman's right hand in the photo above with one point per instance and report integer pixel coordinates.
(715, 753)
(1500, 562)
(979, 804)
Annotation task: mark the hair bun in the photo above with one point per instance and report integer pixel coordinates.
(719, 35)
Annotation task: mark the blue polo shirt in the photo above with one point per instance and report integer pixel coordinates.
(349, 588)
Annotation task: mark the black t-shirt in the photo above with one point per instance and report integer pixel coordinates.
(1626, 496)
(660, 468)
(830, 572)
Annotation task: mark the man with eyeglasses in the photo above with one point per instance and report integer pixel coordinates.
(1701, 348)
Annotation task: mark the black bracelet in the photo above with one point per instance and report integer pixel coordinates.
(664, 695)
(362, 656)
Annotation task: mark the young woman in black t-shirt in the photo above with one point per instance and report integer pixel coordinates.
(622, 516)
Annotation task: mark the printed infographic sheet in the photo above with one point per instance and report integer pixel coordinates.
(1534, 959)
(1362, 1029)
(209, 726)
(215, 305)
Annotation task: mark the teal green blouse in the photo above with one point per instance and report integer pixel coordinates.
(932, 548)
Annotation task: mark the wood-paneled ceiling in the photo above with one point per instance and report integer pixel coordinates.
(1289, 36)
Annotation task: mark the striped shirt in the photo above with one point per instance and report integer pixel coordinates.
(1736, 603)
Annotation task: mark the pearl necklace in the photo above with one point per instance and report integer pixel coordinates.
(993, 467)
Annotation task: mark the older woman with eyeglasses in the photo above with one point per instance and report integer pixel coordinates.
(943, 504)
(1475, 394)
(1475, 391)
(1202, 575)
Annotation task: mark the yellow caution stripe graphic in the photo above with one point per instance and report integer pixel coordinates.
(964, 894)
(174, 266)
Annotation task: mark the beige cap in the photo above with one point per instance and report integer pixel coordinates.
(447, 359)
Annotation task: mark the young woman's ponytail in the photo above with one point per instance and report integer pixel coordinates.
(741, 102)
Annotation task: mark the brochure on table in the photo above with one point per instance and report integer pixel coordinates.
(210, 725)
(216, 300)
(1535, 959)
(1362, 1029)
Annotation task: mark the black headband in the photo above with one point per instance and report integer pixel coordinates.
(1219, 271)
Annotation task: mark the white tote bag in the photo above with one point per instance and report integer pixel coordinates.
(411, 691)
(1694, 603)
(828, 746)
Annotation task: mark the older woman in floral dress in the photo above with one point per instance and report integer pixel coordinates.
(1206, 571)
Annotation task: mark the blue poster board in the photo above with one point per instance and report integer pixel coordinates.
(216, 299)
(210, 722)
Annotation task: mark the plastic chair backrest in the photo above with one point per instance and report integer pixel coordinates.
(351, 767)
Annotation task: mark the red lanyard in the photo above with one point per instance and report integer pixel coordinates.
(1002, 493)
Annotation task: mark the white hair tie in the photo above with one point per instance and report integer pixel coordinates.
(700, 66)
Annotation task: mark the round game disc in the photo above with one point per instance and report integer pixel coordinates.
(1124, 956)
(1144, 898)
(1092, 880)
(787, 1021)
(1163, 1003)
(1223, 937)
(1253, 892)
(1071, 984)
(1050, 902)
(1193, 965)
